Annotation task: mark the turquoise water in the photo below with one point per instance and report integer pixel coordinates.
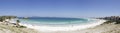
(56, 21)
(59, 24)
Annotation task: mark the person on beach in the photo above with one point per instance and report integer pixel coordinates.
(17, 23)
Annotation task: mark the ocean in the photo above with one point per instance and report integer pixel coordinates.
(59, 23)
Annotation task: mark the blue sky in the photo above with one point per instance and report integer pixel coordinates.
(60, 8)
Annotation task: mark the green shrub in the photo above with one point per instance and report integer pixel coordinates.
(22, 27)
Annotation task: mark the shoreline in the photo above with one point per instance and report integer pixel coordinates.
(99, 27)
(104, 28)
(70, 28)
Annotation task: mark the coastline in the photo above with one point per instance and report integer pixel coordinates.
(98, 27)
(70, 28)
(104, 28)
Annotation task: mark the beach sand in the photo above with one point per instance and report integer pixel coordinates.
(10, 29)
(105, 28)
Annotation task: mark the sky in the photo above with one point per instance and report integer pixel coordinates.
(60, 8)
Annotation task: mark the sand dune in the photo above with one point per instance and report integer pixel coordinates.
(11, 29)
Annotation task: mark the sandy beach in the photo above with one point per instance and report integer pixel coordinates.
(11, 29)
(106, 28)
(103, 28)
